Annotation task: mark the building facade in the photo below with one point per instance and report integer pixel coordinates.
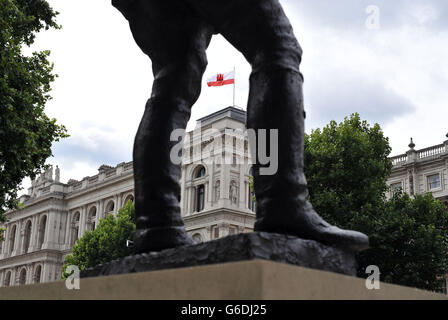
(216, 199)
(421, 171)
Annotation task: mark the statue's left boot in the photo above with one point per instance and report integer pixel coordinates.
(159, 224)
(276, 102)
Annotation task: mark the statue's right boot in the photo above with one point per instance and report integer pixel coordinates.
(276, 102)
(159, 224)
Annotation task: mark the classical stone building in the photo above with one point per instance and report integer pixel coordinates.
(421, 171)
(215, 201)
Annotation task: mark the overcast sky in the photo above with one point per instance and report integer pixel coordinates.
(395, 75)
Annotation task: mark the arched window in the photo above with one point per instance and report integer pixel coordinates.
(200, 172)
(75, 227)
(110, 208)
(91, 219)
(197, 237)
(12, 239)
(42, 227)
(27, 240)
(7, 280)
(37, 274)
(22, 276)
(200, 198)
(129, 198)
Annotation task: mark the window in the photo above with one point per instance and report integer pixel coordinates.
(26, 244)
(12, 238)
(91, 219)
(197, 237)
(433, 181)
(200, 172)
(110, 208)
(200, 197)
(216, 232)
(7, 281)
(129, 198)
(22, 277)
(37, 274)
(396, 187)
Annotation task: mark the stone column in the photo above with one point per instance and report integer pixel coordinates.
(29, 274)
(6, 243)
(34, 230)
(16, 248)
(67, 230)
(48, 239)
(242, 189)
(120, 201)
(100, 209)
(187, 201)
(98, 213)
(207, 199)
(222, 185)
(211, 186)
(82, 221)
(117, 204)
(45, 273)
(209, 231)
(182, 192)
(15, 274)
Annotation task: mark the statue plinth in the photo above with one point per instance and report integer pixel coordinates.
(240, 247)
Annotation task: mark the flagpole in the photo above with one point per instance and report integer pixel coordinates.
(234, 83)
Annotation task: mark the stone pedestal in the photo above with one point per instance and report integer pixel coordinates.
(244, 280)
(240, 247)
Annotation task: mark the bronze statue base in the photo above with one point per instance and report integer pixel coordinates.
(240, 247)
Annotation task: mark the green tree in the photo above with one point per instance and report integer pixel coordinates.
(26, 133)
(106, 243)
(409, 241)
(347, 167)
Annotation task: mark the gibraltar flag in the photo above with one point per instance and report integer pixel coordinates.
(221, 79)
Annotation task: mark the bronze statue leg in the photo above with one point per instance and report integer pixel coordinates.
(262, 32)
(175, 40)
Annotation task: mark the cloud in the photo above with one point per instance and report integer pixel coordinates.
(336, 94)
(352, 15)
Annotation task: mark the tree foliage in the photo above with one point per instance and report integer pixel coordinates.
(409, 241)
(347, 167)
(26, 133)
(106, 243)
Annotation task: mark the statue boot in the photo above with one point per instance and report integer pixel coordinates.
(157, 191)
(276, 102)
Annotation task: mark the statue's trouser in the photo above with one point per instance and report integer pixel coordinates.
(262, 32)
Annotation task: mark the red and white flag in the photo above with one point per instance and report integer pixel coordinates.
(221, 79)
